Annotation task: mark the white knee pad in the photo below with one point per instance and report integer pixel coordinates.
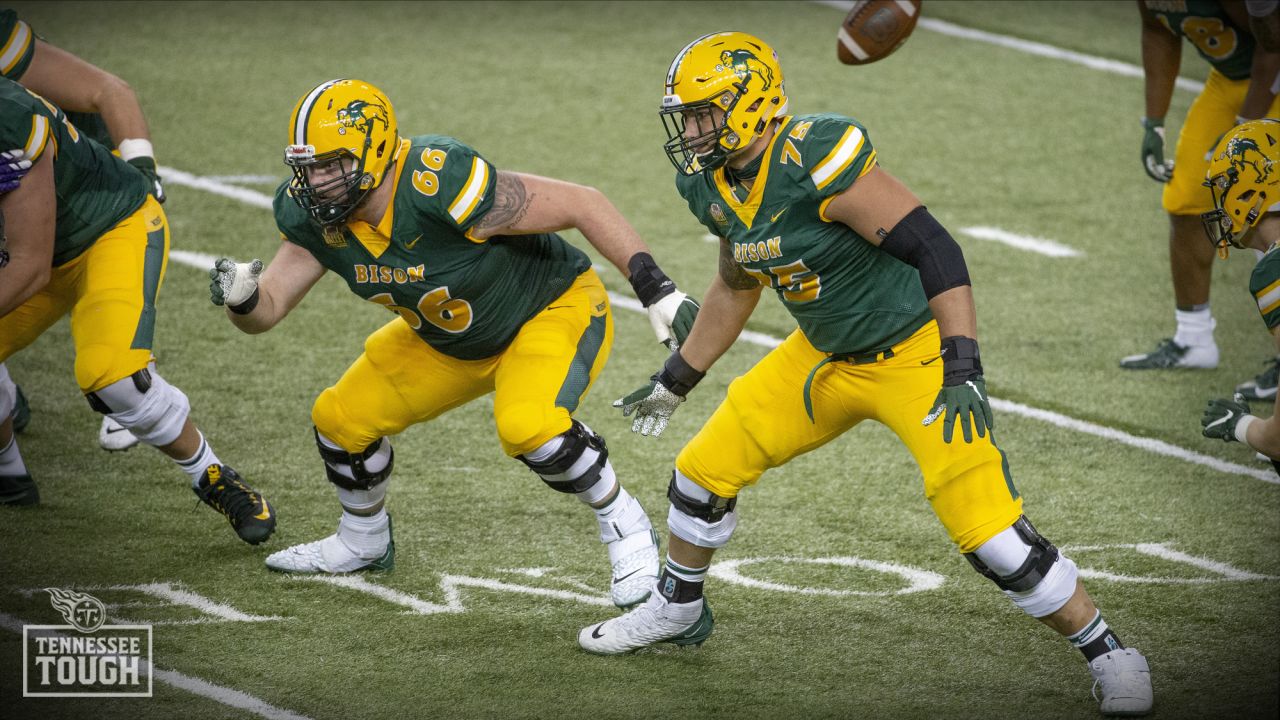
(8, 393)
(147, 405)
(698, 517)
(1029, 569)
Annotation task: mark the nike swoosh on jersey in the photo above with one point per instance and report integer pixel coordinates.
(777, 215)
(410, 245)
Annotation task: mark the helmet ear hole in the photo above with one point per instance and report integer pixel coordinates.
(382, 147)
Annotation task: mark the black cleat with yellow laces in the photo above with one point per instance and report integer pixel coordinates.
(222, 489)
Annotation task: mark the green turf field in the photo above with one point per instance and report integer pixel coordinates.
(495, 573)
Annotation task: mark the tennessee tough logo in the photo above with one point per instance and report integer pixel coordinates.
(359, 115)
(744, 64)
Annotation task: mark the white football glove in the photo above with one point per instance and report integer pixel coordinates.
(672, 318)
(233, 283)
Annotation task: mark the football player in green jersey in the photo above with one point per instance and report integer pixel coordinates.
(1244, 176)
(86, 239)
(488, 299)
(1239, 88)
(887, 332)
(100, 105)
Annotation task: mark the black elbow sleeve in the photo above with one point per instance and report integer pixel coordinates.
(920, 241)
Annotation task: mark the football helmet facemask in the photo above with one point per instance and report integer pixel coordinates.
(342, 139)
(1244, 177)
(732, 76)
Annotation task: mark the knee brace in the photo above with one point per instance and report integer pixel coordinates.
(577, 465)
(146, 404)
(8, 394)
(360, 470)
(697, 516)
(1027, 567)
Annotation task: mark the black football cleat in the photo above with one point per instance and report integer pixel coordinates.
(222, 489)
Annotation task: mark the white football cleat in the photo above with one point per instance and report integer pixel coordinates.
(114, 437)
(653, 622)
(634, 562)
(331, 555)
(1125, 680)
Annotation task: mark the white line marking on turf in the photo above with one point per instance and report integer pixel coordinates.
(172, 594)
(246, 179)
(1021, 242)
(918, 580)
(449, 584)
(1149, 444)
(1030, 47)
(1163, 551)
(244, 195)
(1158, 447)
(217, 693)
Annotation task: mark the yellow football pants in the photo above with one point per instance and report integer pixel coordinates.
(762, 424)
(1211, 115)
(538, 380)
(110, 290)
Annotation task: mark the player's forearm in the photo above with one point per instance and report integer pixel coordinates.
(1263, 435)
(955, 312)
(724, 314)
(122, 113)
(266, 314)
(1257, 101)
(606, 229)
(1161, 56)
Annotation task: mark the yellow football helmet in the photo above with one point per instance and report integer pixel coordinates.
(1244, 177)
(347, 123)
(732, 72)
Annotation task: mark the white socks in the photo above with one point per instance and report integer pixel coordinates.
(1195, 327)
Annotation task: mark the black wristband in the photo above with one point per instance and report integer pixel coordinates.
(679, 376)
(647, 279)
(247, 306)
(960, 360)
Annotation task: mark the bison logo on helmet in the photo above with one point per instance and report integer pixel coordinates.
(744, 64)
(360, 116)
(1244, 152)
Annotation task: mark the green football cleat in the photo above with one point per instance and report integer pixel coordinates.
(18, 490)
(222, 489)
(1263, 386)
(1169, 354)
(656, 621)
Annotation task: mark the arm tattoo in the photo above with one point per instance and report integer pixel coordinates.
(731, 272)
(510, 203)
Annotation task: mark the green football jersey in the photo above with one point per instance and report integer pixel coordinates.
(1226, 46)
(94, 189)
(19, 46)
(847, 295)
(1264, 283)
(466, 298)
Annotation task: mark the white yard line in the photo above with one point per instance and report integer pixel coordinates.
(204, 688)
(1022, 242)
(1093, 62)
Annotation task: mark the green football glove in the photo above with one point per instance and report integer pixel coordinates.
(653, 405)
(235, 284)
(963, 394)
(1222, 417)
(147, 166)
(672, 318)
(1153, 150)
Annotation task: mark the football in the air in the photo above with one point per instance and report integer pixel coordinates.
(873, 29)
